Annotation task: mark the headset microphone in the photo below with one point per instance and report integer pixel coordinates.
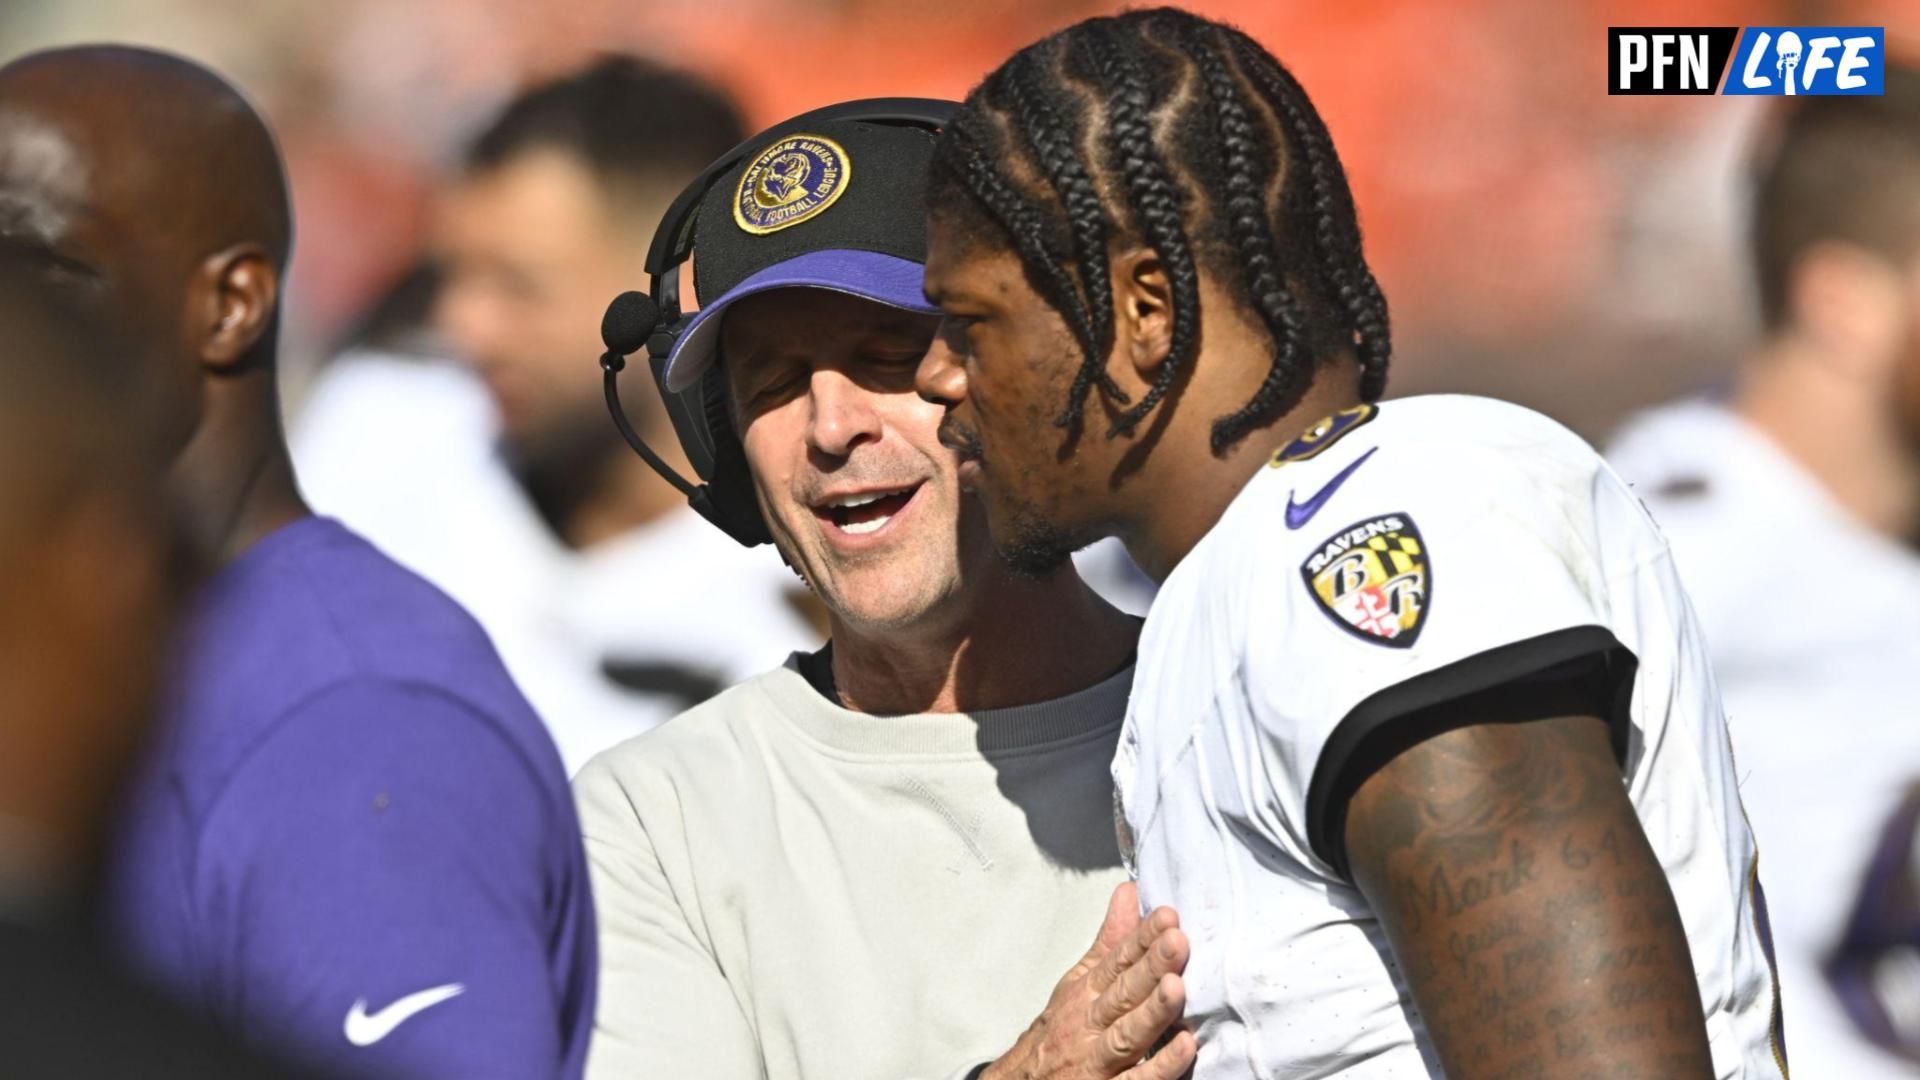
(628, 325)
(624, 330)
(628, 321)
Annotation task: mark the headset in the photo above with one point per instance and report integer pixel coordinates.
(653, 319)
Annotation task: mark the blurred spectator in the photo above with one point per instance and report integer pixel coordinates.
(353, 836)
(1544, 217)
(1875, 969)
(1793, 507)
(611, 601)
(91, 587)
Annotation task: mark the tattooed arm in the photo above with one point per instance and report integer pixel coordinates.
(1528, 912)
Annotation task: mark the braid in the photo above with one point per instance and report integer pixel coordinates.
(1157, 203)
(1022, 223)
(1249, 173)
(1187, 136)
(1052, 141)
(1336, 226)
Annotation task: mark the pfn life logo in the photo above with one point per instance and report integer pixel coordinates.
(1783, 60)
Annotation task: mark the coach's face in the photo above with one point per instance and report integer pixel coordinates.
(846, 457)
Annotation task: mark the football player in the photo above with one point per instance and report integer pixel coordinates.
(94, 577)
(1423, 744)
(1793, 506)
(1871, 970)
(352, 836)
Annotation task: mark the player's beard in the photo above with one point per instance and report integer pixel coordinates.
(1037, 548)
(562, 463)
(1034, 545)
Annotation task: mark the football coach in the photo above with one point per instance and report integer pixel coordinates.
(876, 860)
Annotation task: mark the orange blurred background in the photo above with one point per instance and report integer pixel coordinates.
(1538, 239)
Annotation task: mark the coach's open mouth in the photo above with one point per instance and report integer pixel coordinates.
(861, 513)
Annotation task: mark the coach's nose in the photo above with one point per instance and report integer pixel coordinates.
(942, 378)
(841, 414)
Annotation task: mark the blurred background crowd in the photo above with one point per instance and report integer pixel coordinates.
(1539, 240)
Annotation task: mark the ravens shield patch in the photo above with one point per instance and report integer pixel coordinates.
(1374, 579)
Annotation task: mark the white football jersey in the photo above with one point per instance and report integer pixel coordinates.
(1393, 558)
(1810, 618)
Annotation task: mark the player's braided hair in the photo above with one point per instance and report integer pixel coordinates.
(1190, 137)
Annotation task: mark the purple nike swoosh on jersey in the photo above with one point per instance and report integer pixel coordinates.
(1299, 513)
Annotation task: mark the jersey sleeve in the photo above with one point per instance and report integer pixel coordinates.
(666, 1008)
(1428, 577)
(375, 883)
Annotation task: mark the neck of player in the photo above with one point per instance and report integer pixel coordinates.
(1843, 427)
(235, 477)
(1005, 641)
(1159, 532)
(628, 495)
(588, 486)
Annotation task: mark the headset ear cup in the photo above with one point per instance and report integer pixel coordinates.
(705, 430)
(689, 411)
(731, 485)
(732, 496)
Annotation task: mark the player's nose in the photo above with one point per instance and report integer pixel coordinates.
(942, 379)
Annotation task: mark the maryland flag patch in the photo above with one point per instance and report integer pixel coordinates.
(1374, 579)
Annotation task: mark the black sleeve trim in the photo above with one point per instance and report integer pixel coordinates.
(1583, 670)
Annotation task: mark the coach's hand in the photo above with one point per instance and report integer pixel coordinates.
(1110, 1010)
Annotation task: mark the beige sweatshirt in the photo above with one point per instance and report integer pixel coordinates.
(790, 890)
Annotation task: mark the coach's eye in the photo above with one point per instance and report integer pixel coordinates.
(774, 392)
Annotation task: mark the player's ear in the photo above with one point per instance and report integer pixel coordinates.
(1142, 309)
(1852, 305)
(231, 303)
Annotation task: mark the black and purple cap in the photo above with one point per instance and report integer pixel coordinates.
(834, 204)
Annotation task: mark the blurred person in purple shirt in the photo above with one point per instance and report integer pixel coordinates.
(354, 837)
(91, 578)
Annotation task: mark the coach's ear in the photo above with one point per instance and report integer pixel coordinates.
(231, 302)
(1142, 310)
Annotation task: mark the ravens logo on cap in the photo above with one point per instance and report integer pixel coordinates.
(792, 180)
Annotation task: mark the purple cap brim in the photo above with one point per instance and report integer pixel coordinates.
(884, 279)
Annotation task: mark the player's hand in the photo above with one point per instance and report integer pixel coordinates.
(1109, 1011)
